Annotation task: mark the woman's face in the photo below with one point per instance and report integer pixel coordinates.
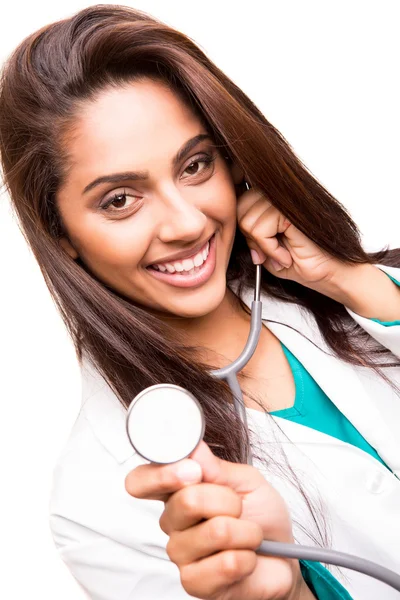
(119, 223)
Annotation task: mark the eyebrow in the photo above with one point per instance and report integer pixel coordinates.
(140, 175)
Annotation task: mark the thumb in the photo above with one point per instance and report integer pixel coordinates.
(241, 478)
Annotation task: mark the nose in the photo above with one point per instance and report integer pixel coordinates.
(180, 218)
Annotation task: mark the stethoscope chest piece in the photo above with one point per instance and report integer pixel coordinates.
(165, 423)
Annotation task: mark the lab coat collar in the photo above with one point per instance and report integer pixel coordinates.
(105, 413)
(339, 380)
(297, 329)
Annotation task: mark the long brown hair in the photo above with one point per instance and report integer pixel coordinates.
(68, 62)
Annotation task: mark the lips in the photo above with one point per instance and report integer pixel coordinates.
(194, 280)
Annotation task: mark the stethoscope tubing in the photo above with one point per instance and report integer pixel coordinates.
(268, 548)
(332, 557)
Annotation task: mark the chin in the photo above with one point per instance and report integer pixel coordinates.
(203, 301)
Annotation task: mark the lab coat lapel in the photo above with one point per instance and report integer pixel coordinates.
(338, 379)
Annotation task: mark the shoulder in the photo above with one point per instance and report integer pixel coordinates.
(393, 271)
(88, 494)
(108, 540)
(88, 478)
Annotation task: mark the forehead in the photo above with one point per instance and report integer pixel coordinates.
(130, 125)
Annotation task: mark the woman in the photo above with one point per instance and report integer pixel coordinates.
(125, 151)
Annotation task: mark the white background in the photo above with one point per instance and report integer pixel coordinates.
(326, 75)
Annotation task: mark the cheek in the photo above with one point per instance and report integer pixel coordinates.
(116, 245)
(230, 212)
(229, 202)
(223, 203)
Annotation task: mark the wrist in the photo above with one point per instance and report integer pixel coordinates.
(300, 589)
(345, 284)
(364, 289)
(304, 592)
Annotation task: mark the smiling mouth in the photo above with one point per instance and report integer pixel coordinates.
(204, 251)
(193, 275)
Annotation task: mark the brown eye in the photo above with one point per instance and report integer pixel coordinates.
(119, 200)
(206, 159)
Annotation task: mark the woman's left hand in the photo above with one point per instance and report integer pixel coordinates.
(295, 256)
(289, 254)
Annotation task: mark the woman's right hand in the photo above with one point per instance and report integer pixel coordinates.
(216, 520)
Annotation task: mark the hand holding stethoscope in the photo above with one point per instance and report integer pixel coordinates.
(216, 515)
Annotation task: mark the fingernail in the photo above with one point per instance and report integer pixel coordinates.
(257, 260)
(189, 471)
(277, 266)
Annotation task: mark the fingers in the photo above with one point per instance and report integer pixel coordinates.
(215, 574)
(239, 574)
(260, 222)
(196, 502)
(241, 478)
(275, 267)
(158, 482)
(248, 199)
(214, 535)
(263, 232)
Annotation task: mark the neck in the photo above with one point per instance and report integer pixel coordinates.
(222, 334)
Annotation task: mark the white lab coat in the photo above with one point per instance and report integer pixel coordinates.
(112, 542)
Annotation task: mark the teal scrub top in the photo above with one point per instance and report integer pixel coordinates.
(314, 409)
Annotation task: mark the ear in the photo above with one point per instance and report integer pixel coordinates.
(237, 173)
(67, 246)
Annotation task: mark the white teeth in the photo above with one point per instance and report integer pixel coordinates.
(186, 265)
(198, 260)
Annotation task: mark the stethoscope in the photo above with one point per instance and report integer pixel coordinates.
(165, 423)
